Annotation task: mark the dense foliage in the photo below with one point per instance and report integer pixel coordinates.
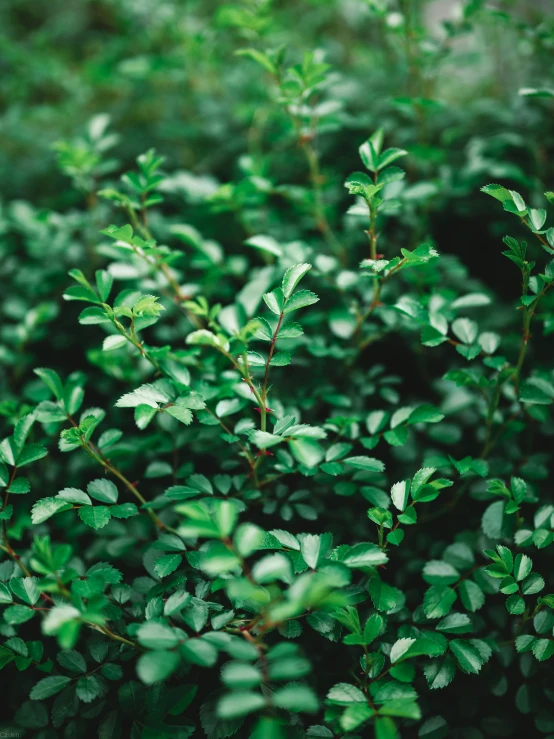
(275, 370)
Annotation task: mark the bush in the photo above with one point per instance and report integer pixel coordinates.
(274, 464)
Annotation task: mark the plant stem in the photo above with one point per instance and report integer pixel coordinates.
(266, 374)
(322, 222)
(94, 452)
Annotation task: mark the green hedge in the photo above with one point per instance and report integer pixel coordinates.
(275, 370)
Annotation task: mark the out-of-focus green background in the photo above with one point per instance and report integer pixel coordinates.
(165, 72)
(87, 86)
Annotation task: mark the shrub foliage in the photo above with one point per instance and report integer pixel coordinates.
(274, 464)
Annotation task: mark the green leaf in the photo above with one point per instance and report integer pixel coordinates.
(358, 183)
(268, 728)
(248, 539)
(72, 495)
(307, 451)
(199, 652)
(156, 666)
(385, 597)
(465, 330)
(300, 299)
(344, 694)
(280, 359)
(286, 539)
(225, 517)
(364, 555)
(52, 380)
(88, 688)
(275, 301)
(522, 566)
(438, 601)
(176, 602)
(420, 479)
(18, 614)
(239, 703)
(425, 414)
(467, 656)
(497, 191)
(537, 391)
(271, 568)
(533, 583)
(395, 537)
(156, 635)
(437, 572)
(370, 464)
(124, 510)
(266, 244)
(373, 627)
(48, 686)
(47, 507)
(292, 277)
(492, 520)
(543, 649)
(310, 548)
(58, 617)
(440, 673)
(26, 589)
(95, 516)
(389, 156)
(103, 490)
(399, 493)
(472, 300)
(144, 395)
(180, 413)
(264, 61)
(515, 605)
(201, 337)
(370, 150)
(455, 623)
(20, 486)
(72, 660)
(240, 675)
(471, 595)
(399, 649)
(167, 564)
(31, 453)
(385, 728)
(296, 698)
(355, 716)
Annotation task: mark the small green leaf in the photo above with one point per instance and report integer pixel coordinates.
(103, 490)
(399, 649)
(300, 299)
(275, 301)
(292, 277)
(26, 589)
(467, 656)
(239, 703)
(72, 660)
(370, 464)
(48, 686)
(167, 564)
(180, 413)
(95, 516)
(156, 666)
(47, 507)
(522, 566)
(438, 601)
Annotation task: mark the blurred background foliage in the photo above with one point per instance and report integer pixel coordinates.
(444, 76)
(462, 85)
